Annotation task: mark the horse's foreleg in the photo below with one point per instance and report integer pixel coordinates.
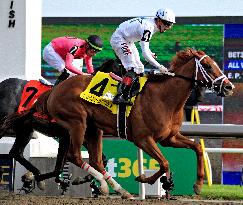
(116, 186)
(180, 141)
(95, 158)
(77, 132)
(94, 146)
(149, 146)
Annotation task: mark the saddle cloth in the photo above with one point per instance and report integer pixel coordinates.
(32, 90)
(102, 90)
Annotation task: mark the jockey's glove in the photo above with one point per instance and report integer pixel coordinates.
(163, 69)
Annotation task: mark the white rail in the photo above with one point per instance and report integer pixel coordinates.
(224, 150)
(212, 130)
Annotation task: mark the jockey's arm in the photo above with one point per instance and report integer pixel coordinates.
(89, 65)
(148, 55)
(69, 65)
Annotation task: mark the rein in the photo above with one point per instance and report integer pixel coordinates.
(207, 78)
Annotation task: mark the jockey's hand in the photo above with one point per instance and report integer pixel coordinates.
(154, 55)
(169, 73)
(163, 69)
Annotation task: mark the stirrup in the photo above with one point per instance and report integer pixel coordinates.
(119, 99)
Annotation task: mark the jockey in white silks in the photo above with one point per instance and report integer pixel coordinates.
(123, 43)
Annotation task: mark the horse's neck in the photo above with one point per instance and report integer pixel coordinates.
(175, 91)
(187, 69)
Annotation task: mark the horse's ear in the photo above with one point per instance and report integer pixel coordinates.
(193, 51)
(189, 52)
(197, 53)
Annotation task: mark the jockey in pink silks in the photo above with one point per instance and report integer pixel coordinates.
(61, 52)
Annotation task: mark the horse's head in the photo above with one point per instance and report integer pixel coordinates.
(207, 72)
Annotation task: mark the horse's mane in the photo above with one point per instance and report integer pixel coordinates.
(108, 63)
(183, 57)
(112, 65)
(180, 59)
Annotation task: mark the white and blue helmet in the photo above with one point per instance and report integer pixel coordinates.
(166, 14)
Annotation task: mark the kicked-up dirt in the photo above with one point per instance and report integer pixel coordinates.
(7, 198)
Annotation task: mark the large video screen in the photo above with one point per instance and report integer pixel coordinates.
(208, 38)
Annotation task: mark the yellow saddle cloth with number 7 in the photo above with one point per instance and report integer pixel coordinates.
(102, 90)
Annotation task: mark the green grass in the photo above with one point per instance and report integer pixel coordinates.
(208, 38)
(222, 192)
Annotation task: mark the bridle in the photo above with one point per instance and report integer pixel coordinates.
(210, 82)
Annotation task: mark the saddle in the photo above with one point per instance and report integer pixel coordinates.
(103, 88)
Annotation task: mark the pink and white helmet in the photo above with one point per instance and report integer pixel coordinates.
(166, 15)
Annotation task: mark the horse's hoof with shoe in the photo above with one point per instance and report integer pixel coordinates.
(104, 188)
(124, 194)
(141, 178)
(197, 189)
(29, 178)
(41, 185)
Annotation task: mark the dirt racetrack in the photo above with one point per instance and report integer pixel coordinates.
(7, 198)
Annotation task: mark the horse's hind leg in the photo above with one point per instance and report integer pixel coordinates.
(22, 139)
(149, 146)
(94, 142)
(180, 141)
(64, 144)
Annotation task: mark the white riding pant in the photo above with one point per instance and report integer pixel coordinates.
(56, 61)
(53, 58)
(127, 53)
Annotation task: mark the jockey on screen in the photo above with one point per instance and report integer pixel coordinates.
(61, 52)
(122, 42)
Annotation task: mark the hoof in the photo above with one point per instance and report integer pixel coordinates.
(141, 178)
(41, 185)
(28, 176)
(80, 180)
(104, 188)
(125, 194)
(77, 181)
(197, 189)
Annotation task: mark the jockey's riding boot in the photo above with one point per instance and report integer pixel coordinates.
(64, 75)
(123, 95)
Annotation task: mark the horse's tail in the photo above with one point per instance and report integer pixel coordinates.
(10, 121)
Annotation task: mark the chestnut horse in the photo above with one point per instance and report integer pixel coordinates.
(156, 116)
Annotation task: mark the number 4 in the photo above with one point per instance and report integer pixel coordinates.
(99, 88)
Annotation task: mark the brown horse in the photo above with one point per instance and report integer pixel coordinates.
(156, 115)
